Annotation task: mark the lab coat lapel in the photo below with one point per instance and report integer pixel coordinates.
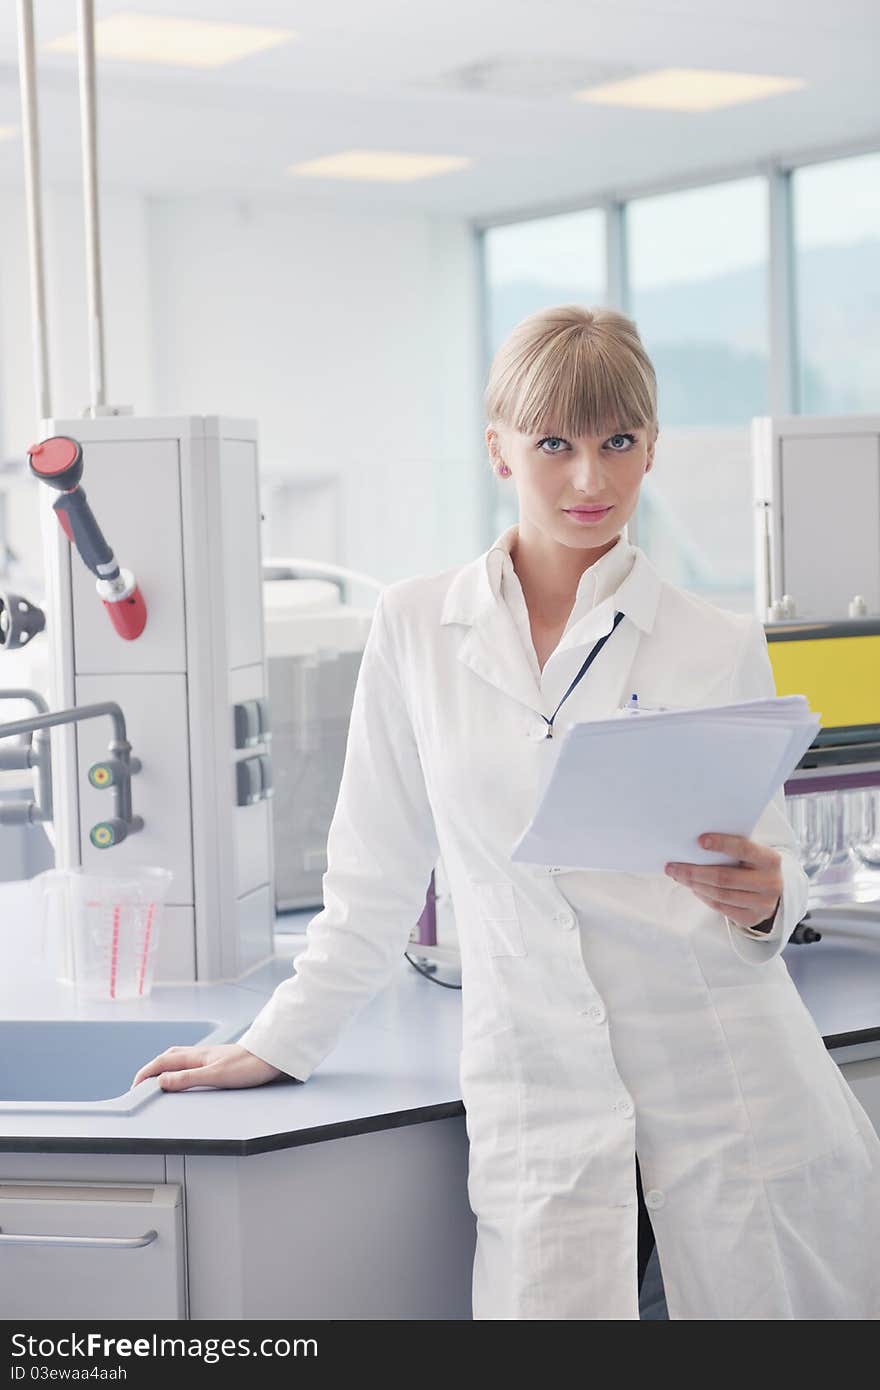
(602, 688)
(491, 646)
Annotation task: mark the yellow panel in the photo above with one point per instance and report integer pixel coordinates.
(840, 676)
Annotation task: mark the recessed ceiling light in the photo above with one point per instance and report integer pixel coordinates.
(8, 132)
(688, 89)
(185, 43)
(381, 165)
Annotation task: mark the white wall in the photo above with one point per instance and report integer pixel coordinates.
(353, 340)
(351, 337)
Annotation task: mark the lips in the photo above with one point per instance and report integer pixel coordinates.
(588, 511)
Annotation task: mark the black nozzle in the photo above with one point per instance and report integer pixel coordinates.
(19, 620)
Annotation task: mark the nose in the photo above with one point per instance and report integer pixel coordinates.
(588, 474)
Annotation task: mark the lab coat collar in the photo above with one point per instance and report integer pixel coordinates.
(597, 582)
(493, 649)
(473, 591)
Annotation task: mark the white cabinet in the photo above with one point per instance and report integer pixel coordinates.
(366, 1226)
(75, 1250)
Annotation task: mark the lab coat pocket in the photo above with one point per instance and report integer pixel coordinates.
(498, 910)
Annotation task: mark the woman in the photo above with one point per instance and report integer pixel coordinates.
(604, 1014)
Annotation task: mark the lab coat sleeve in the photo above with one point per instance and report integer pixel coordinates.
(381, 851)
(752, 679)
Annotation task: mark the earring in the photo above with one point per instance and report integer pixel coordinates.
(503, 471)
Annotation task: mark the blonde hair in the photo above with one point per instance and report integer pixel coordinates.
(570, 371)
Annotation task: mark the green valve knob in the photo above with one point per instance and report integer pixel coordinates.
(107, 833)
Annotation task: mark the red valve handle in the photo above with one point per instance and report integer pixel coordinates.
(128, 615)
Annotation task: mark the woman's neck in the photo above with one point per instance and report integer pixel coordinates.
(549, 573)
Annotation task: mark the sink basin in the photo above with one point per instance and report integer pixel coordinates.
(83, 1064)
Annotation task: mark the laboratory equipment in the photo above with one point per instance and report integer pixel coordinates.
(816, 481)
(180, 497)
(817, 584)
(193, 685)
(833, 796)
(314, 645)
(58, 462)
(20, 620)
(100, 931)
(114, 771)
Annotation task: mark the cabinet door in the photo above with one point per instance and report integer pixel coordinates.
(86, 1250)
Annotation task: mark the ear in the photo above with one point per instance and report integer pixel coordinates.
(493, 444)
(651, 448)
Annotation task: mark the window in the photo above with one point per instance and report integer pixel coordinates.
(836, 218)
(698, 292)
(697, 266)
(533, 265)
(697, 275)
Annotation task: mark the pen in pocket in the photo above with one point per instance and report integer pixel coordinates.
(632, 706)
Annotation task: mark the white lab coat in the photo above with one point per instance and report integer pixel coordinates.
(604, 1014)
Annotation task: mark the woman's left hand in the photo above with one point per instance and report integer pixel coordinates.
(748, 893)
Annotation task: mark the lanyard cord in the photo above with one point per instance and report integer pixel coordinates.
(582, 672)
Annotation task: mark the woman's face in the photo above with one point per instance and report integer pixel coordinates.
(553, 474)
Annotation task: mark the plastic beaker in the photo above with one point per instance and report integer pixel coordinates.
(101, 931)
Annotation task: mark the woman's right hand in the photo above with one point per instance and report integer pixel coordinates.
(226, 1065)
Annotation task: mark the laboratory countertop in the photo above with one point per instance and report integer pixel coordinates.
(396, 1064)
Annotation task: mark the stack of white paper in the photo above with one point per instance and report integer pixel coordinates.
(633, 793)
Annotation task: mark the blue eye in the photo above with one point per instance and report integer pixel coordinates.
(554, 440)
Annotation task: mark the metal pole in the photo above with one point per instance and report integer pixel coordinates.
(27, 69)
(784, 376)
(89, 132)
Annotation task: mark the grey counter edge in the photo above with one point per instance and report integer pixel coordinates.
(241, 1148)
(850, 1046)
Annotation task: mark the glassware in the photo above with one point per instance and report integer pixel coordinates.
(100, 932)
(812, 821)
(866, 843)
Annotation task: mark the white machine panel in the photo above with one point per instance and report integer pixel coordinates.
(155, 721)
(817, 516)
(144, 521)
(831, 522)
(241, 553)
(252, 823)
(178, 502)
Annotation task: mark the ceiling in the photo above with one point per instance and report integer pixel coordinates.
(486, 79)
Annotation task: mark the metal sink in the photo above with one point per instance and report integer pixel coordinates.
(76, 1064)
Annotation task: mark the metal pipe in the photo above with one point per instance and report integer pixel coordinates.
(27, 68)
(119, 745)
(23, 693)
(58, 717)
(89, 134)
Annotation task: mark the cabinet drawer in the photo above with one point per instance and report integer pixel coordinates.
(87, 1250)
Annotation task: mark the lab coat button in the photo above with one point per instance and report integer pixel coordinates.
(625, 1107)
(537, 730)
(596, 1013)
(564, 919)
(654, 1199)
